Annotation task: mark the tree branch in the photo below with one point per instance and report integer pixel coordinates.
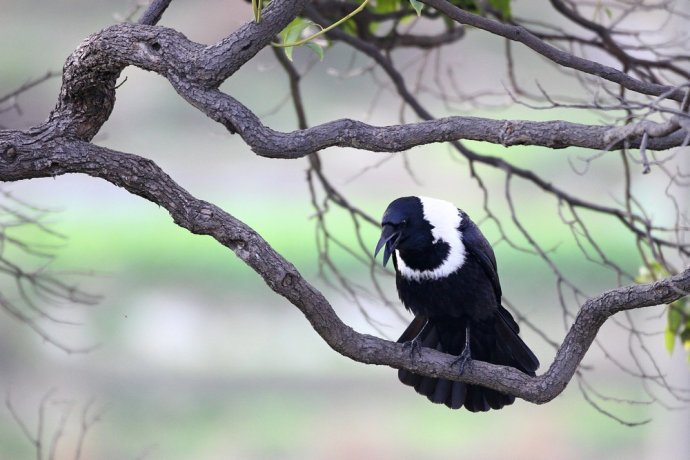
(88, 95)
(520, 34)
(143, 177)
(154, 12)
(267, 142)
(615, 136)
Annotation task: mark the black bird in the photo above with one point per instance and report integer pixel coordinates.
(445, 272)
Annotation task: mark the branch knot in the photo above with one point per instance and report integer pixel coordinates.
(9, 154)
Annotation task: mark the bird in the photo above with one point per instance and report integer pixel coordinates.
(446, 275)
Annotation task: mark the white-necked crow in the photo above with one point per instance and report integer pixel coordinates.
(445, 272)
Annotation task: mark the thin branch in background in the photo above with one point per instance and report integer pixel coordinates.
(60, 429)
(39, 293)
(10, 101)
(153, 12)
(27, 86)
(132, 11)
(585, 394)
(89, 418)
(581, 233)
(324, 237)
(21, 424)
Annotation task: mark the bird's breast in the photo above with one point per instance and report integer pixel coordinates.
(465, 291)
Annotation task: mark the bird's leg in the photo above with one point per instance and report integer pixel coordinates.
(415, 346)
(466, 354)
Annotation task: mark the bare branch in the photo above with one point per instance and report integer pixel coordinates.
(522, 35)
(27, 86)
(154, 12)
(142, 177)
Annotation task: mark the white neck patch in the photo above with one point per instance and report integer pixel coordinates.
(445, 220)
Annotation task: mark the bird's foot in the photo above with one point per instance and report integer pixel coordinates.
(414, 346)
(462, 360)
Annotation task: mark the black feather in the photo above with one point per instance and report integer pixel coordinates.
(446, 305)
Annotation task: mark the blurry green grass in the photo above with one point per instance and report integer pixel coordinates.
(148, 242)
(292, 417)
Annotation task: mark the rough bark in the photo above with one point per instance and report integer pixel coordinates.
(141, 176)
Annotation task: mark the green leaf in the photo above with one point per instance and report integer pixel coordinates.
(678, 325)
(467, 5)
(288, 52)
(675, 316)
(417, 5)
(293, 32)
(685, 339)
(349, 27)
(386, 6)
(503, 6)
(651, 273)
(669, 340)
(316, 49)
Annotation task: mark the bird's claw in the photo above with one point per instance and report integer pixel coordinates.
(463, 359)
(414, 346)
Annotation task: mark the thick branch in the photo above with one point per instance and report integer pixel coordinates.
(142, 177)
(88, 94)
(267, 142)
(89, 75)
(226, 57)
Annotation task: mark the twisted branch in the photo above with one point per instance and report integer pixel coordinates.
(144, 178)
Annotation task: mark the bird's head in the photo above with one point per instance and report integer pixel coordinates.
(404, 227)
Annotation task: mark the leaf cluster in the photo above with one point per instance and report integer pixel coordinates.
(677, 315)
(295, 34)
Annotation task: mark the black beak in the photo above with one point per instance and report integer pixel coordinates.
(389, 237)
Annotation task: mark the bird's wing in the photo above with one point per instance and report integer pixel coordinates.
(414, 329)
(477, 246)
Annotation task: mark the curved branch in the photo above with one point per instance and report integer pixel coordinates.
(226, 57)
(394, 40)
(143, 177)
(87, 95)
(267, 142)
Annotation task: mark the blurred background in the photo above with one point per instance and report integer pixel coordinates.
(195, 358)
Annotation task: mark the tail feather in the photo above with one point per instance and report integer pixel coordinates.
(496, 341)
(441, 392)
(476, 401)
(426, 386)
(457, 395)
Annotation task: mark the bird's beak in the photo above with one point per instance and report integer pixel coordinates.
(389, 238)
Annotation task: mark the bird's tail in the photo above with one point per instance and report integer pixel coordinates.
(495, 341)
